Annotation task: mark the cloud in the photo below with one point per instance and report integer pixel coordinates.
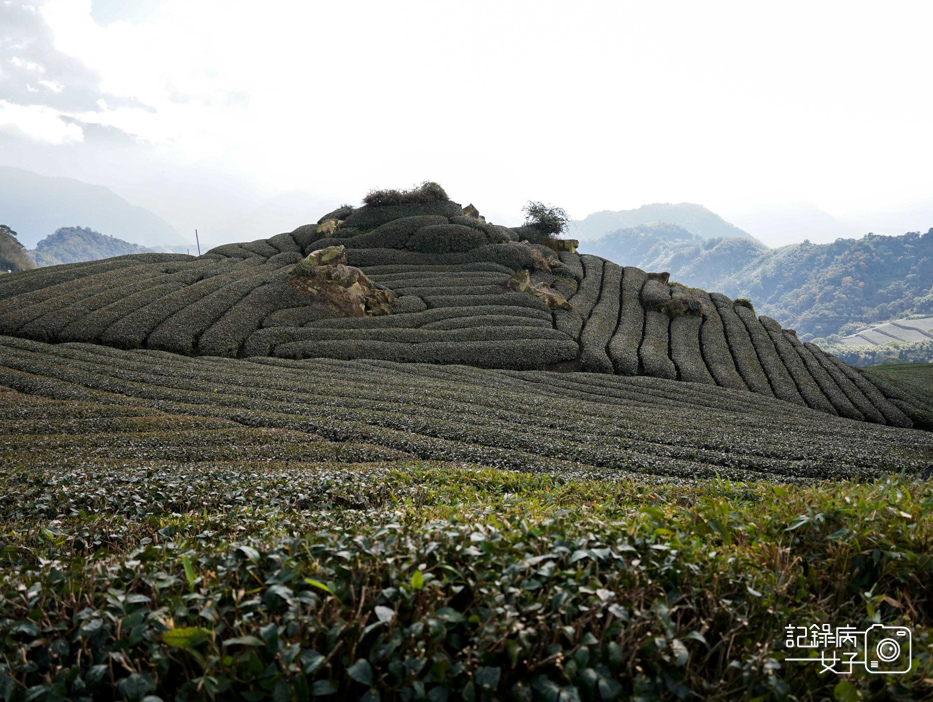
(39, 123)
(33, 71)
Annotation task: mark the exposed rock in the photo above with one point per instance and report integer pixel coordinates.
(521, 282)
(325, 278)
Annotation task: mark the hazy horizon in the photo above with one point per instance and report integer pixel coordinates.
(776, 117)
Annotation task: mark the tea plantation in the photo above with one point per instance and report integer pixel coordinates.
(213, 487)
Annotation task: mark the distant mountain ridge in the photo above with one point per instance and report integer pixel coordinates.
(821, 290)
(78, 244)
(35, 205)
(696, 219)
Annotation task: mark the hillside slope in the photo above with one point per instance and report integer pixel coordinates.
(464, 292)
(820, 290)
(79, 244)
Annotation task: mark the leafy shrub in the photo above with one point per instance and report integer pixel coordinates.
(427, 192)
(547, 219)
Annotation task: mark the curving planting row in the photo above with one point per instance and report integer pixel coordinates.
(572, 423)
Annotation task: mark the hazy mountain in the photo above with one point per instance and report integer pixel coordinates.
(35, 205)
(13, 256)
(76, 244)
(691, 259)
(792, 223)
(694, 218)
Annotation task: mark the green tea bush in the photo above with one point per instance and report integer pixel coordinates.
(588, 292)
(447, 238)
(487, 321)
(626, 339)
(33, 306)
(284, 243)
(824, 380)
(132, 330)
(519, 354)
(503, 299)
(572, 264)
(395, 234)
(180, 332)
(511, 256)
(891, 413)
(30, 287)
(305, 236)
(809, 389)
(368, 218)
(426, 193)
(781, 382)
(90, 327)
(261, 247)
(234, 251)
(850, 389)
(286, 258)
(65, 309)
(391, 272)
(715, 348)
(297, 316)
(602, 322)
(227, 334)
(686, 352)
(653, 353)
(449, 288)
(341, 213)
(740, 344)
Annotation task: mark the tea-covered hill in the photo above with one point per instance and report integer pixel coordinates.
(419, 279)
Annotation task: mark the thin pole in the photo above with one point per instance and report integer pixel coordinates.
(197, 241)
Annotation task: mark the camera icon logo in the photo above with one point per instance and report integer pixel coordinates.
(887, 649)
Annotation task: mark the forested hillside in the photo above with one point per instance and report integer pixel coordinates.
(13, 256)
(820, 290)
(77, 244)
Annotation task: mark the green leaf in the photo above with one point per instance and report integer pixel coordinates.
(186, 637)
(361, 671)
(845, 692)
(250, 553)
(323, 687)
(488, 678)
(318, 584)
(245, 641)
(189, 572)
(417, 580)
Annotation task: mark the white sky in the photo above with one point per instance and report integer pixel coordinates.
(588, 105)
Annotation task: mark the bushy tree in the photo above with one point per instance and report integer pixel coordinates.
(546, 218)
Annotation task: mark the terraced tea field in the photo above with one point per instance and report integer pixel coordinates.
(455, 303)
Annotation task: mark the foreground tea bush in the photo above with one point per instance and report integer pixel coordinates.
(459, 582)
